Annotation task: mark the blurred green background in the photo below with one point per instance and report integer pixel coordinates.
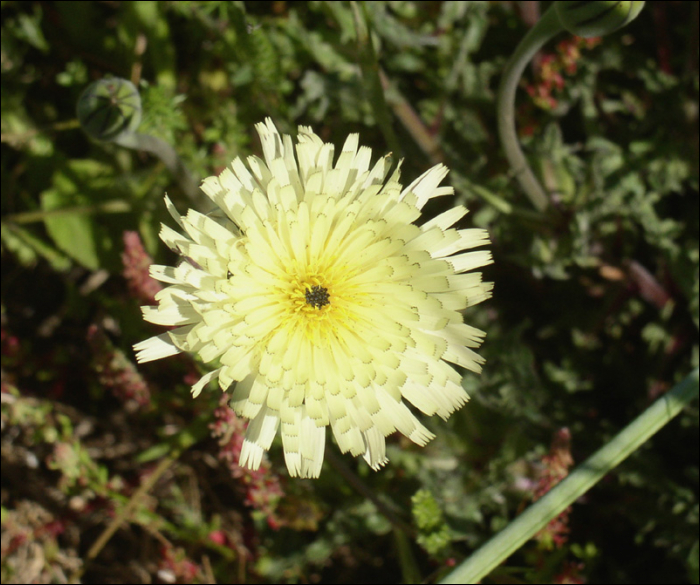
(594, 315)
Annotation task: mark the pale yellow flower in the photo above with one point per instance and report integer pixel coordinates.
(321, 301)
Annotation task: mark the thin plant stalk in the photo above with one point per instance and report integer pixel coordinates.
(370, 76)
(169, 157)
(585, 476)
(124, 515)
(544, 29)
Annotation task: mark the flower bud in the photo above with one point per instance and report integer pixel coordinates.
(109, 108)
(594, 19)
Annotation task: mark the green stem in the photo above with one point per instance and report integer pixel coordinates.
(404, 113)
(545, 29)
(361, 488)
(370, 76)
(125, 514)
(410, 571)
(170, 159)
(585, 476)
(114, 206)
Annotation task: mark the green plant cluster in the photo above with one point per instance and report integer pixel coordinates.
(434, 534)
(595, 310)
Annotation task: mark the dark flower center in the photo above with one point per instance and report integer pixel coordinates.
(317, 297)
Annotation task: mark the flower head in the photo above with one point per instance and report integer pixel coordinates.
(321, 300)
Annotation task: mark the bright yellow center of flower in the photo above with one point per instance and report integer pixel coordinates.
(316, 301)
(309, 297)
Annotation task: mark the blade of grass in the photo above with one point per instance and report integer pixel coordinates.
(585, 476)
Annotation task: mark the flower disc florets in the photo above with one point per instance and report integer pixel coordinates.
(321, 301)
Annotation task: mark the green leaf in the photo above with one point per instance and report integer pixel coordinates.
(81, 190)
(73, 233)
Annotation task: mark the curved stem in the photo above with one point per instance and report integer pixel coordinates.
(585, 476)
(170, 159)
(545, 29)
